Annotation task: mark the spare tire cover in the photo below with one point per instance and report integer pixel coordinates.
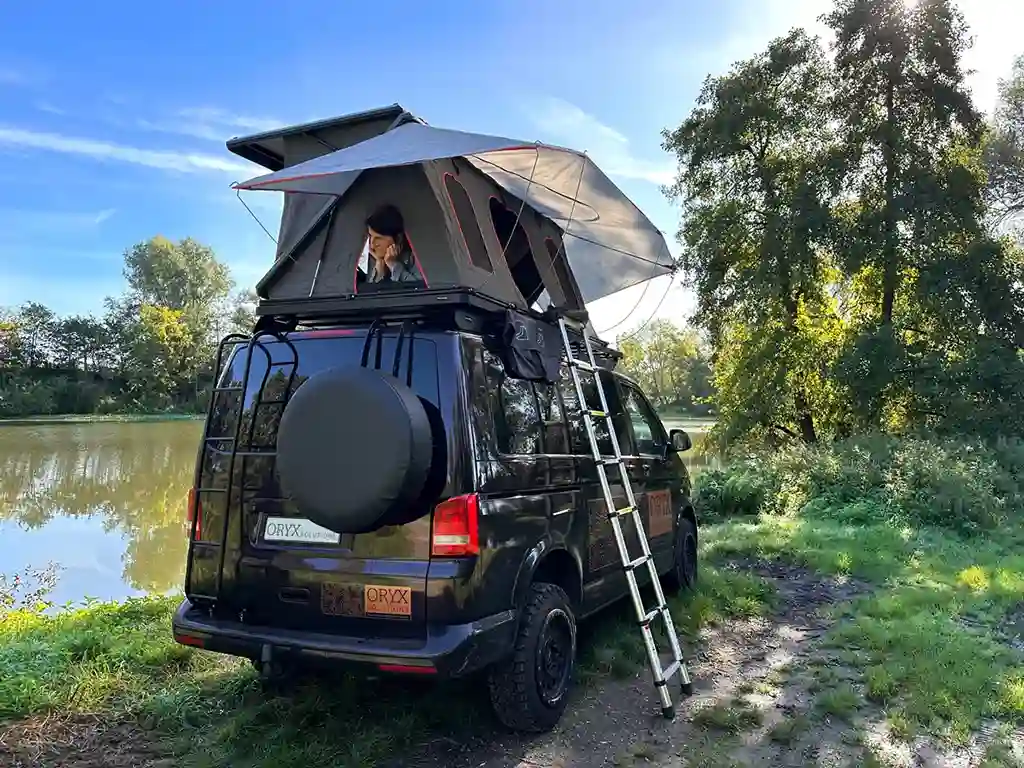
(354, 445)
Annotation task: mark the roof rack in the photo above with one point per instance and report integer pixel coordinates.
(456, 308)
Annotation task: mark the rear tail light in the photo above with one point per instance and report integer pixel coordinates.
(455, 527)
(195, 512)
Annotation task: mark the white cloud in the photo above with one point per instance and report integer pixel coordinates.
(49, 221)
(566, 123)
(163, 159)
(45, 106)
(209, 123)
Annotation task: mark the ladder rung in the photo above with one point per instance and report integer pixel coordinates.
(583, 365)
(670, 672)
(623, 512)
(219, 439)
(226, 389)
(651, 616)
(597, 414)
(611, 462)
(634, 564)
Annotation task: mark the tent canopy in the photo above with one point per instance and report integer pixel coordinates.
(509, 218)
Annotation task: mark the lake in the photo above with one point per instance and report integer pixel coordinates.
(105, 501)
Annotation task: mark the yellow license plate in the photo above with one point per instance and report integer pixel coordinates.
(387, 601)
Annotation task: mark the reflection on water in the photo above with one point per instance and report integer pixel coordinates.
(106, 502)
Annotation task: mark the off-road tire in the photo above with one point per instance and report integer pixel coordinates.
(683, 575)
(514, 687)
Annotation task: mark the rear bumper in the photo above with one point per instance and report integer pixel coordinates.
(447, 650)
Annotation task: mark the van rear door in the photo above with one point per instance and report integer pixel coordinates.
(282, 569)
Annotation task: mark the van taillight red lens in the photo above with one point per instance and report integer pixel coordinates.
(195, 511)
(455, 527)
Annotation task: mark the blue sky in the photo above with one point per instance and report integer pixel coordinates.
(113, 116)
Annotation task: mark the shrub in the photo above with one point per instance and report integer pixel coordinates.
(963, 485)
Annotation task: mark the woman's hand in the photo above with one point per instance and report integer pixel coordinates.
(391, 253)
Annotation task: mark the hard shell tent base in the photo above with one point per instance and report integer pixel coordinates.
(528, 224)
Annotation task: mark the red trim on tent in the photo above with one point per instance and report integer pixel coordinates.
(416, 261)
(451, 204)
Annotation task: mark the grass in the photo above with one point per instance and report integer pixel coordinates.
(926, 641)
(119, 659)
(923, 644)
(735, 717)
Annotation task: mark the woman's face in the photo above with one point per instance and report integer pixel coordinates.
(379, 243)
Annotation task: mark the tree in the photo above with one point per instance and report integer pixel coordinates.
(150, 349)
(669, 363)
(36, 324)
(178, 275)
(909, 233)
(1004, 151)
(162, 353)
(755, 177)
(903, 103)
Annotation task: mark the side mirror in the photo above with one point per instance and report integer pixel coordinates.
(679, 441)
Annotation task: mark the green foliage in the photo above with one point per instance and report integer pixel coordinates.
(671, 365)
(834, 229)
(755, 178)
(150, 351)
(960, 485)
(1004, 151)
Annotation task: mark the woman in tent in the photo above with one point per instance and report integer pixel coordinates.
(391, 257)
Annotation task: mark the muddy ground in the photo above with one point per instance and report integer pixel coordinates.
(759, 701)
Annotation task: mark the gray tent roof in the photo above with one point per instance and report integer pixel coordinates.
(610, 244)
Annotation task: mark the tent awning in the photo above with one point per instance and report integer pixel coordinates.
(610, 243)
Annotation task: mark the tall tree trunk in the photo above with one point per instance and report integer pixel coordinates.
(891, 271)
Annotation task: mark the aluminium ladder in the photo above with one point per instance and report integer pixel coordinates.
(629, 564)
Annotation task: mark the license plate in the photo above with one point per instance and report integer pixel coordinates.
(298, 530)
(387, 601)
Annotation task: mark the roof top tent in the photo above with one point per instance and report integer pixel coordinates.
(513, 224)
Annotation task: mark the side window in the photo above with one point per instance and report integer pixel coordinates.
(468, 224)
(517, 419)
(646, 427)
(577, 428)
(556, 432)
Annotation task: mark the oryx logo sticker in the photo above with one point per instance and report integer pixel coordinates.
(387, 601)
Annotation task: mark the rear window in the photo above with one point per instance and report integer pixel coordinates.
(314, 354)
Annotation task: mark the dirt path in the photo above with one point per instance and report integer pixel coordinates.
(756, 704)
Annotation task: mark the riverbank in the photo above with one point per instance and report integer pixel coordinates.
(113, 418)
(864, 602)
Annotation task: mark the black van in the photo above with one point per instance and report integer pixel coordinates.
(475, 536)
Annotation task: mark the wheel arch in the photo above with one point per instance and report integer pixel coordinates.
(550, 565)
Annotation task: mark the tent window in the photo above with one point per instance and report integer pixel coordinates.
(462, 206)
(518, 255)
